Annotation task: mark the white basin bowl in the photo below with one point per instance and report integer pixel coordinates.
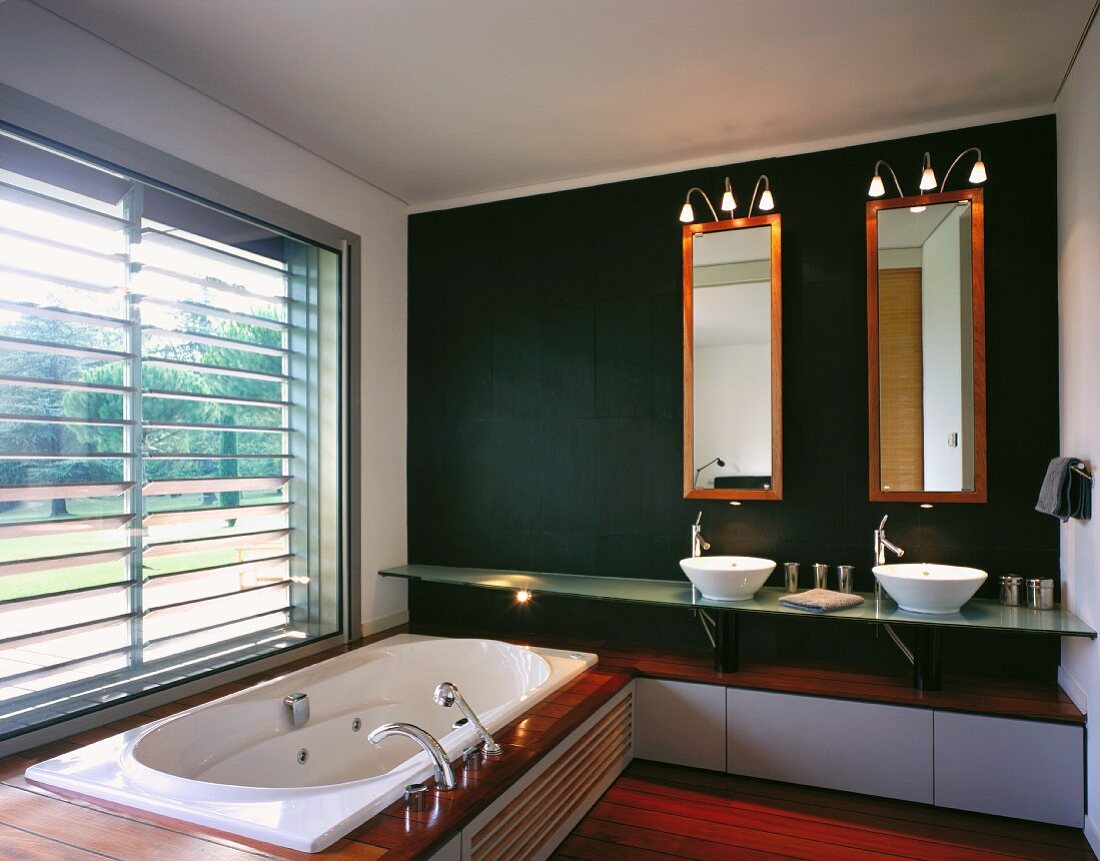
(921, 588)
(727, 578)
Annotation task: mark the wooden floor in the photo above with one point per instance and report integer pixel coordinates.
(659, 812)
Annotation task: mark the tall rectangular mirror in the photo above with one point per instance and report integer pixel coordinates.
(926, 347)
(733, 357)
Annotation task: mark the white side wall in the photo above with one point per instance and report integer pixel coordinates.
(51, 59)
(941, 325)
(733, 418)
(1078, 111)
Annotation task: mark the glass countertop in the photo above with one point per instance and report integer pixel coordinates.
(977, 613)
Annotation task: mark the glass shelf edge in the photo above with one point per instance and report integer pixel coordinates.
(679, 594)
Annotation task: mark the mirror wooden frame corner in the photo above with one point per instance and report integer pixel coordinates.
(775, 492)
(977, 241)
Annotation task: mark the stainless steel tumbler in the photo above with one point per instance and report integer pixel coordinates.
(845, 578)
(1011, 587)
(791, 570)
(821, 575)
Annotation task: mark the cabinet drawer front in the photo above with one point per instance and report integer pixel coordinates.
(1026, 769)
(680, 722)
(836, 744)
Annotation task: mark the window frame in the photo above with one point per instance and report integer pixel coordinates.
(31, 118)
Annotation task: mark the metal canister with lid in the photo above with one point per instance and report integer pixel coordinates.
(1011, 589)
(1040, 593)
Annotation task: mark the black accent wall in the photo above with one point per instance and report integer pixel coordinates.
(545, 395)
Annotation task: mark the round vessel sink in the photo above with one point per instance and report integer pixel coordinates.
(727, 578)
(926, 588)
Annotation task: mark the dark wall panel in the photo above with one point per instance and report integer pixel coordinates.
(545, 386)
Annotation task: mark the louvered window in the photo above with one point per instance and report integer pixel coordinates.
(169, 456)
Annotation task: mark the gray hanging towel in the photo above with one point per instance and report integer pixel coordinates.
(1066, 490)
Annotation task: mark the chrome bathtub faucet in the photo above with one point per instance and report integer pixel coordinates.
(882, 544)
(444, 774)
(299, 707)
(447, 695)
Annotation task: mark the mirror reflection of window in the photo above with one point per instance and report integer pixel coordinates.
(926, 348)
(732, 358)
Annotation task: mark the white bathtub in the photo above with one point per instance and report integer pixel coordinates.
(234, 763)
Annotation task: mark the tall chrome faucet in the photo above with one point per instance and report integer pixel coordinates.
(698, 542)
(882, 544)
(444, 774)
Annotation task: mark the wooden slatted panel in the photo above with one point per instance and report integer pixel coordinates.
(901, 380)
(530, 821)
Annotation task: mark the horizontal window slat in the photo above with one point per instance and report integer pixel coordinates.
(170, 240)
(219, 610)
(219, 370)
(212, 311)
(73, 352)
(214, 399)
(46, 242)
(254, 630)
(52, 313)
(60, 598)
(32, 492)
(47, 633)
(77, 655)
(63, 526)
(206, 283)
(63, 420)
(54, 206)
(74, 283)
(67, 385)
(76, 455)
(212, 340)
(187, 455)
(67, 560)
(199, 515)
(247, 590)
(222, 428)
(221, 542)
(251, 565)
(275, 614)
(213, 485)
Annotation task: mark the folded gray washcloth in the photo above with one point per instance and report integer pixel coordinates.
(821, 600)
(1065, 493)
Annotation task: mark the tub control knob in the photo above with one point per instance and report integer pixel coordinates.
(471, 759)
(416, 797)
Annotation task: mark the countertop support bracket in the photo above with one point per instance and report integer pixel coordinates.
(927, 663)
(726, 646)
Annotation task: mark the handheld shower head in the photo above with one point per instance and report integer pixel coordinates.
(445, 694)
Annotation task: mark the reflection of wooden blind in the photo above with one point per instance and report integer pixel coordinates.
(901, 388)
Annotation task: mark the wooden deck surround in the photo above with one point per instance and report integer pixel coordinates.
(36, 823)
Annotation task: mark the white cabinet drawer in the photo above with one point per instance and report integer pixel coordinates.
(1020, 768)
(680, 722)
(836, 744)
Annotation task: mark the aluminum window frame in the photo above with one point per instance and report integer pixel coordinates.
(39, 121)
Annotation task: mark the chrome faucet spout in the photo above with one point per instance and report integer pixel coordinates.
(882, 544)
(444, 774)
(447, 695)
(698, 542)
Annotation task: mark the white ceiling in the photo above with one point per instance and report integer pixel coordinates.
(438, 99)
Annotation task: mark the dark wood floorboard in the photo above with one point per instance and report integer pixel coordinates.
(655, 811)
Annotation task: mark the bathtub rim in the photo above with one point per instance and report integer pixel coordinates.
(336, 804)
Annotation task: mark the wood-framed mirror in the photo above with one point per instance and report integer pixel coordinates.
(926, 347)
(733, 359)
